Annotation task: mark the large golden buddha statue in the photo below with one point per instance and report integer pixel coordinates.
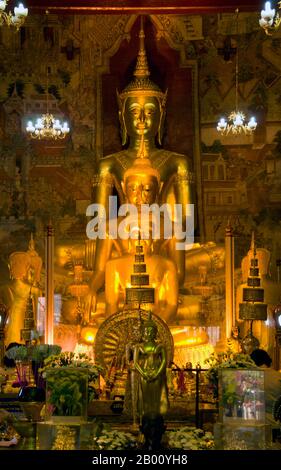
(141, 187)
(144, 174)
(142, 114)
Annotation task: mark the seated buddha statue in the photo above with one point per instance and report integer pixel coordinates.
(142, 114)
(141, 187)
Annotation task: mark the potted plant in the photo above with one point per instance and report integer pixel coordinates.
(70, 380)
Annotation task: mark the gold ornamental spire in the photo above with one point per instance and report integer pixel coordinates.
(142, 70)
(31, 245)
(141, 83)
(253, 244)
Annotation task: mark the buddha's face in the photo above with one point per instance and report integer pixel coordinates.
(141, 189)
(142, 116)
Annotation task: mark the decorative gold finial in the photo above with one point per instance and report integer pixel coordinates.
(31, 245)
(141, 84)
(253, 245)
(141, 70)
(229, 228)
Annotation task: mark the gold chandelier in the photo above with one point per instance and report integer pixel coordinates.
(17, 20)
(236, 124)
(47, 126)
(269, 21)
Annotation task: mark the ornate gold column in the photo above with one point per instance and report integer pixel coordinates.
(49, 284)
(229, 280)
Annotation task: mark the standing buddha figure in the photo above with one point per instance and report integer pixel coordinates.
(25, 270)
(150, 362)
(142, 114)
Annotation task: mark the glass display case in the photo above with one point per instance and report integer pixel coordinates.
(66, 394)
(57, 436)
(241, 396)
(241, 424)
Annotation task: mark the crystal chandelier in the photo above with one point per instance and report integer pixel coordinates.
(236, 124)
(269, 21)
(46, 126)
(17, 20)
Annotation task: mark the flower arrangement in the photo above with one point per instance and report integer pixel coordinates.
(41, 352)
(20, 356)
(18, 353)
(37, 353)
(115, 440)
(34, 355)
(186, 438)
(71, 359)
(224, 360)
(190, 438)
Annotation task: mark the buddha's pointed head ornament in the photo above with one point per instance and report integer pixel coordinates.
(142, 90)
(149, 327)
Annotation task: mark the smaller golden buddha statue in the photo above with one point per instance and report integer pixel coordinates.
(150, 362)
